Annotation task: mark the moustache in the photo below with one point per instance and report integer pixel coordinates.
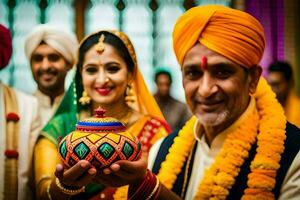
(210, 100)
(50, 70)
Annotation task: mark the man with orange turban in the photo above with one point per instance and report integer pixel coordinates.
(238, 144)
(19, 127)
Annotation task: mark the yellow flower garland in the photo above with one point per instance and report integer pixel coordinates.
(221, 175)
(218, 179)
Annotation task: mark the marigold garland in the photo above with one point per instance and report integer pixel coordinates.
(218, 179)
(270, 145)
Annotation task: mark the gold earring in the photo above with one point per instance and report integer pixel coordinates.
(128, 90)
(85, 99)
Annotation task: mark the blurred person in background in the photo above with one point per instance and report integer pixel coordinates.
(175, 112)
(19, 127)
(51, 53)
(281, 79)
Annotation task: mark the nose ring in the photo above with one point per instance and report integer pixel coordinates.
(106, 79)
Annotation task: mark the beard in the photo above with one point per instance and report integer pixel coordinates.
(213, 119)
(50, 70)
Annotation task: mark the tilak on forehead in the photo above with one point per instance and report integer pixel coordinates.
(203, 65)
(100, 45)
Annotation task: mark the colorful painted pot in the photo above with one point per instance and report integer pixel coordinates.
(100, 140)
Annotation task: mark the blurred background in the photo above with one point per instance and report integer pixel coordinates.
(149, 24)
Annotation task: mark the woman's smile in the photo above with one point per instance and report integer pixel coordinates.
(103, 91)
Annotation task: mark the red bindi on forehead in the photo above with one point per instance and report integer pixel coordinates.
(203, 65)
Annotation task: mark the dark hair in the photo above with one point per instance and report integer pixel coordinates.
(165, 72)
(111, 39)
(283, 67)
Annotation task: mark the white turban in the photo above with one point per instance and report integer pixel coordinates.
(64, 43)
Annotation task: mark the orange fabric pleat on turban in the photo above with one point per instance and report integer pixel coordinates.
(232, 33)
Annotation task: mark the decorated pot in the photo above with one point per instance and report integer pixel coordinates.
(100, 140)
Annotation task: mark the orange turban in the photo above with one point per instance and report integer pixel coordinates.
(232, 33)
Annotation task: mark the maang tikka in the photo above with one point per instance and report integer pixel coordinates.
(100, 44)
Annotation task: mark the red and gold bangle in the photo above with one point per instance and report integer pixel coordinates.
(68, 191)
(48, 191)
(154, 190)
(146, 189)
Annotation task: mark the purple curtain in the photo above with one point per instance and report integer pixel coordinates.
(271, 15)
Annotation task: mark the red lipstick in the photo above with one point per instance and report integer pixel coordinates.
(103, 91)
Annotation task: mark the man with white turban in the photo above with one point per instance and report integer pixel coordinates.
(238, 144)
(52, 53)
(19, 127)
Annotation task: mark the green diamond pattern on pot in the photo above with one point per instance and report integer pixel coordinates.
(106, 150)
(127, 149)
(81, 150)
(63, 149)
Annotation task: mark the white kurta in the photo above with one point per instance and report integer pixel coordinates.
(30, 125)
(47, 109)
(205, 155)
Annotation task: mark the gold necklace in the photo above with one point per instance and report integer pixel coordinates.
(123, 115)
(125, 119)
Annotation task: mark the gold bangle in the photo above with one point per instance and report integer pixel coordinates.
(48, 192)
(43, 178)
(68, 191)
(154, 190)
